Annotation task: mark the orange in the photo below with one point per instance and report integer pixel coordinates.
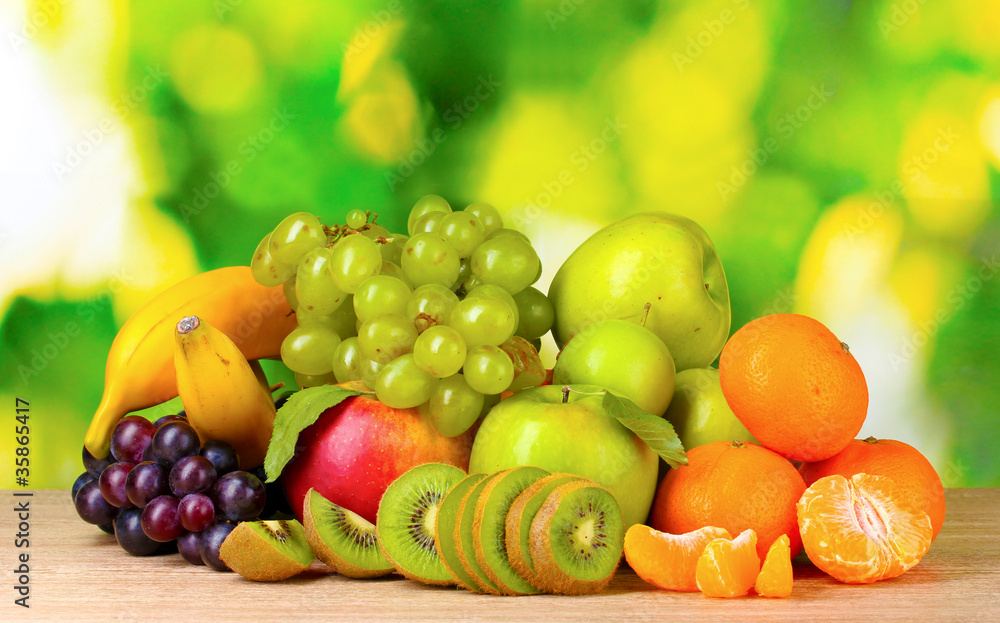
(732, 485)
(668, 560)
(794, 385)
(728, 568)
(913, 474)
(862, 530)
(775, 577)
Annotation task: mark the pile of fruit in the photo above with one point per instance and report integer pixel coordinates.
(428, 439)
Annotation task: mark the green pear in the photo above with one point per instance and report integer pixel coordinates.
(699, 411)
(662, 259)
(623, 357)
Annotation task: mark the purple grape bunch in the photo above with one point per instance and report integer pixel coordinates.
(161, 486)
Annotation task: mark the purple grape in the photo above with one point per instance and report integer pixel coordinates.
(211, 541)
(159, 519)
(222, 455)
(91, 505)
(81, 480)
(196, 512)
(146, 481)
(277, 505)
(112, 482)
(192, 474)
(130, 438)
(131, 538)
(174, 441)
(238, 496)
(108, 527)
(187, 545)
(93, 465)
(282, 399)
(168, 418)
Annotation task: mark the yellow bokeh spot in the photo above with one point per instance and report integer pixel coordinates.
(848, 258)
(363, 52)
(216, 69)
(382, 118)
(922, 279)
(989, 125)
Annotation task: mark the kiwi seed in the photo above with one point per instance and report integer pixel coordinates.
(344, 540)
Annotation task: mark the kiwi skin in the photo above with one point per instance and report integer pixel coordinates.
(519, 518)
(267, 551)
(452, 504)
(551, 576)
(520, 476)
(329, 555)
(463, 527)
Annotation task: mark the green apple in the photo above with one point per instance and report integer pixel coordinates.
(699, 411)
(662, 259)
(535, 427)
(623, 357)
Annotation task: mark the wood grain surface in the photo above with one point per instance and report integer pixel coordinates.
(79, 573)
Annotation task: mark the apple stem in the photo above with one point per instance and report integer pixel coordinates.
(645, 314)
(565, 391)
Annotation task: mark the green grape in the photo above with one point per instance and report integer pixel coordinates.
(289, 289)
(356, 218)
(482, 321)
(439, 351)
(347, 361)
(374, 232)
(464, 272)
(463, 230)
(381, 294)
(429, 258)
(403, 385)
(315, 289)
(343, 320)
(391, 269)
(309, 350)
(354, 259)
(430, 306)
(488, 289)
(503, 231)
(369, 371)
(488, 370)
(392, 250)
(266, 270)
(305, 381)
(386, 337)
(429, 223)
(506, 261)
(454, 406)
(538, 274)
(427, 203)
(487, 215)
(472, 282)
(295, 236)
(535, 312)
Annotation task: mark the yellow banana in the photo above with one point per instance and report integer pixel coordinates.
(140, 368)
(223, 394)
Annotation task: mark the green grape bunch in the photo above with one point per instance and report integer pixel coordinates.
(443, 318)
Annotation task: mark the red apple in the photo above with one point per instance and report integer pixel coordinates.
(357, 448)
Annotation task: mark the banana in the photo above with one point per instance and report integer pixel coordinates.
(140, 368)
(225, 396)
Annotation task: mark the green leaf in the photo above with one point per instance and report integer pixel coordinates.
(300, 412)
(655, 431)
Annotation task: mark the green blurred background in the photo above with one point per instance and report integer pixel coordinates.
(843, 156)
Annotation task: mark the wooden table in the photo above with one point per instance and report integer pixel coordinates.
(79, 573)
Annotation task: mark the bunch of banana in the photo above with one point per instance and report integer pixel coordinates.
(140, 369)
(226, 398)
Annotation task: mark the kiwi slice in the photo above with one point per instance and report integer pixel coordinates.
(577, 538)
(444, 532)
(518, 522)
(267, 551)
(342, 539)
(407, 515)
(464, 537)
(489, 528)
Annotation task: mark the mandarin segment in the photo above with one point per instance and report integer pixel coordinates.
(728, 568)
(862, 530)
(775, 577)
(668, 560)
(794, 385)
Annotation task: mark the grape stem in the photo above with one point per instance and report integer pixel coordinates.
(645, 314)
